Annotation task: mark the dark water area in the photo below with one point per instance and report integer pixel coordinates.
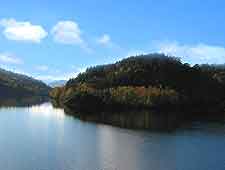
(42, 137)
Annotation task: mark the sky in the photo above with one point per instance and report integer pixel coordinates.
(55, 40)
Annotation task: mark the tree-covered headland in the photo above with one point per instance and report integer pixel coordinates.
(153, 82)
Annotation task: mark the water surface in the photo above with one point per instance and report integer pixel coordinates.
(44, 138)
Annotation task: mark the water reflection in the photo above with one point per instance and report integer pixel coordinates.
(47, 110)
(23, 101)
(43, 137)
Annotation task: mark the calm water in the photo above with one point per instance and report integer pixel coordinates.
(44, 138)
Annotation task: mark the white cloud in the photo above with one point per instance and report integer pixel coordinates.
(67, 32)
(199, 53)
(104, 39)
(22, 31)
(42, 68)
(10, 59)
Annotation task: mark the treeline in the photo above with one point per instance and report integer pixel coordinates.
(13, 85)
(147, 81)
(84, 98)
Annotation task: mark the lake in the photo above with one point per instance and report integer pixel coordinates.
(42, 137)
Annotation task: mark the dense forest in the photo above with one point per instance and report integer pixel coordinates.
(146, 82)
(153, 83)
(13, 85)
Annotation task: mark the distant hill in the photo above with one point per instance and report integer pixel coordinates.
(57, 83)
(14, 85)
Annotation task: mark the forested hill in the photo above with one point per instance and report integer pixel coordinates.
(154, 70)
(157, 70)
(18, 85)
(153, 83)
(153, 80)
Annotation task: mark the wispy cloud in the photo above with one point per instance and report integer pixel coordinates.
(69, 32)
(22, 31)
(42, 68)
(105, 39)
(10, 59)
(198, 53)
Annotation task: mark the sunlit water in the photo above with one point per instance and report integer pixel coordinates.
(44, 138)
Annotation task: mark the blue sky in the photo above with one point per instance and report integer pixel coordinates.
(53, 40)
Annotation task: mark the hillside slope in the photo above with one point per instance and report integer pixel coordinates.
(18, 85)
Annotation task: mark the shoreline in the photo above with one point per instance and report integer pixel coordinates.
(144, 119)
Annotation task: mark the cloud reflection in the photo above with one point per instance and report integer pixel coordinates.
(47, 110)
